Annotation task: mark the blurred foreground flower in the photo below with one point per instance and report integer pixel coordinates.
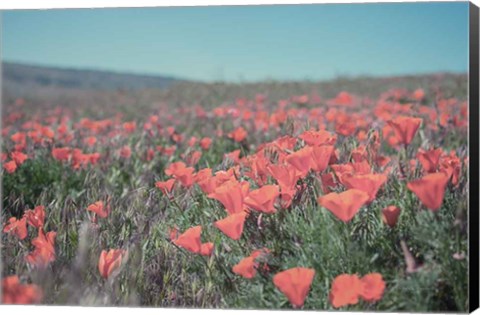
(13, 292)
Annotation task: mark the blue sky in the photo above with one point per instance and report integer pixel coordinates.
(246, 43)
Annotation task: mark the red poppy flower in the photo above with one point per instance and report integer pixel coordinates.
(14, 292)
(17, 227)
(405, 128)
(390, 215)
(295, 284)
(190, 239)
(232, 226)
(430, 189)
(345, 290)
(109, 262)
(344, 205)
(372, 287)
(263, 199)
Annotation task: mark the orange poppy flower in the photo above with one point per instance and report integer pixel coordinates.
(345, 290)
(295, 284)
(405, 128)
(418, 94)
(206, 181)
(361, 168)
(321, 157)
(232, 226)
(285, 175)
(429, 159)
(44, 252)
(452, 166)
(286, 196)
(390, 215)
(19, 137)
(110, 261)
(193, 158)
(430, 189)
(372, 287)
(192, 141)
(150, 154)
(166, 186)
(17, 227)
(263, 199)
(221, 177)
(369, 183)
(343, 98)
(205, 143)
(341, 170)
(18, 157)
(238, 135)
(206, 249)
(90, 141)
(344, 205)
(61, 154)
(246, 267)
(301, 160)
(181, 172)
(231, 194)
(10, 166)
(190, 239)
(328, 182)
(317, 138)
(99, 209)
(14, 292)
(125, 152)
(130, 126)
(234, 156)
(36, 217)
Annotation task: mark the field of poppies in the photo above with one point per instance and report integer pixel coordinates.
(344, 202)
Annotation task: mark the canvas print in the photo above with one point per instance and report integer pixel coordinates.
(308, 157)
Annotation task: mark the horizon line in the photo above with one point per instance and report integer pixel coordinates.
(266, 80)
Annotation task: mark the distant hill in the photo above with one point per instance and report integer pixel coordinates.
(20, 77)
(100, 90)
